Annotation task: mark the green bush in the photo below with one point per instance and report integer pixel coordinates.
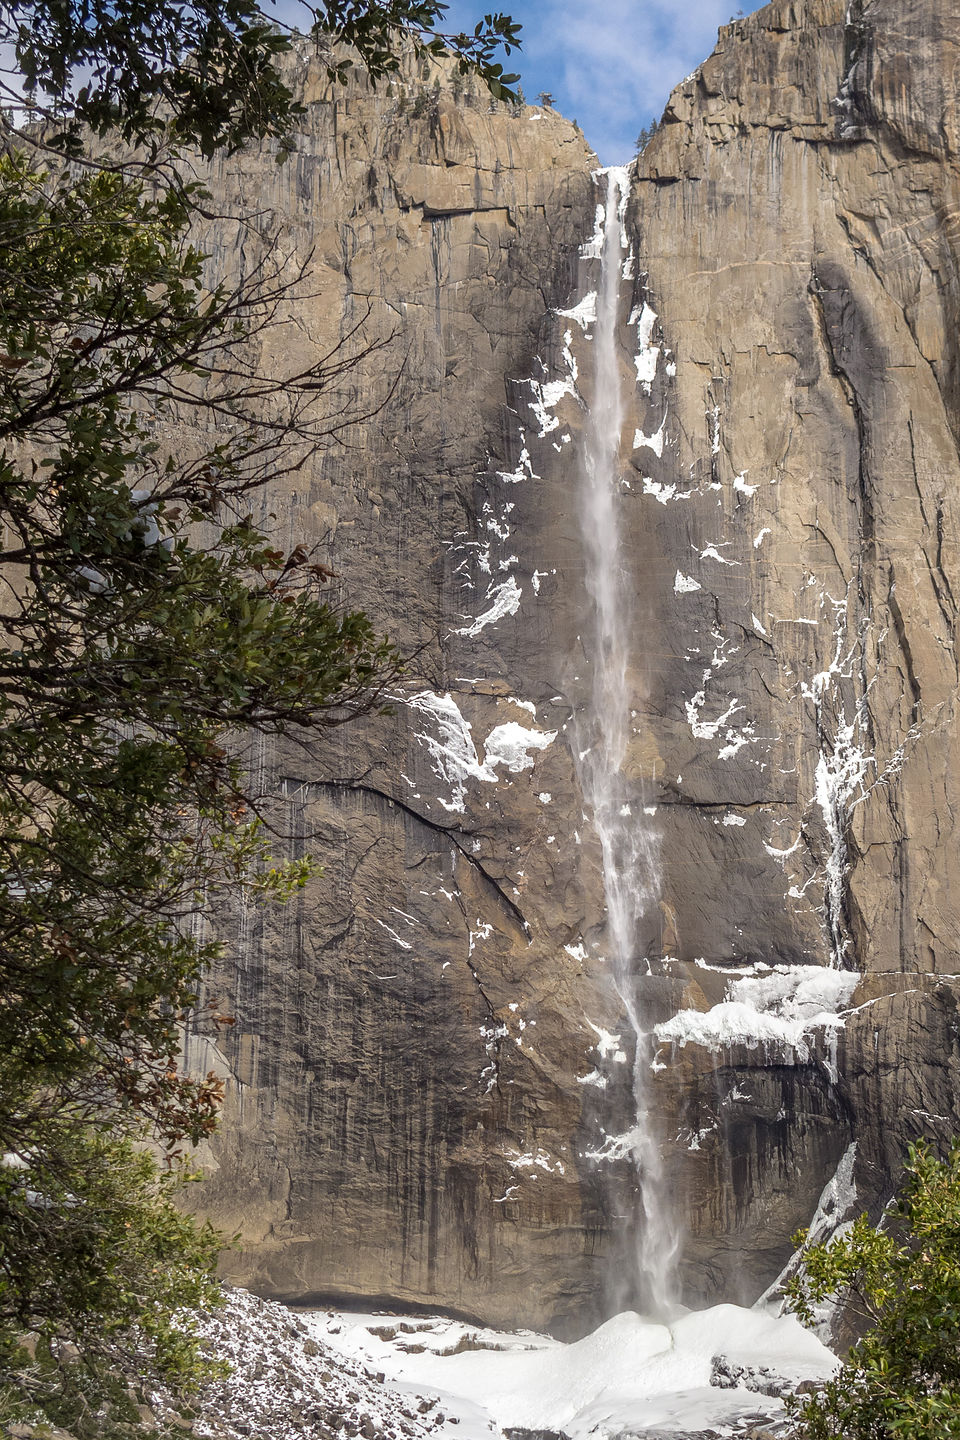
(96, 1264)
(902, 1279)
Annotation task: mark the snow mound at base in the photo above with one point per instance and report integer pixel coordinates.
(630, 1376)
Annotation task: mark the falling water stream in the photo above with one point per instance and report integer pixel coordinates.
(628, 841)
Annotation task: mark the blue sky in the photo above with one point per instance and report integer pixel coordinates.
(610, 64)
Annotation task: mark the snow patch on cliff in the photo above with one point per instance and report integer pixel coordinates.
(546, 397)
(782, 1006)
(665, 493)
(451, 748)
(524, 468)
(584, 313)
(712, 553)
(504, 600)
(454, 754)
(650, 442)
(707, 729)
(404, 944)
(592, 249)
(534, 1160)
(608, 1045)
(648, 354)
(509, 745)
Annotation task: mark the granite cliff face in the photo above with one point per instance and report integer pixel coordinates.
(430, 1089)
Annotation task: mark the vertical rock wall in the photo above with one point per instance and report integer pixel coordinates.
(429, 1055)
(403, 1110)
(793, 216)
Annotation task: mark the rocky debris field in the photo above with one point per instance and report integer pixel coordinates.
(286, 1384)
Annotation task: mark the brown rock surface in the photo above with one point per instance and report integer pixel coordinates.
(404, 1115)
(799, 197)
(407, 1116)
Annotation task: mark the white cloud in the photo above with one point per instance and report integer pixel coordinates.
(620, 59)
(609, 63)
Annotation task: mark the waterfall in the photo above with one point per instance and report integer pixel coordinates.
(628, 841)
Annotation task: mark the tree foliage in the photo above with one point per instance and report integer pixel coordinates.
(207, 72)
(97, 1267)
(146, 625)
(902, 1279)
(149, 626)
(647, 133)
(131, 650)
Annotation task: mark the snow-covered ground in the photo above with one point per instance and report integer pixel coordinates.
(316, 1375)
(629, 1375)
